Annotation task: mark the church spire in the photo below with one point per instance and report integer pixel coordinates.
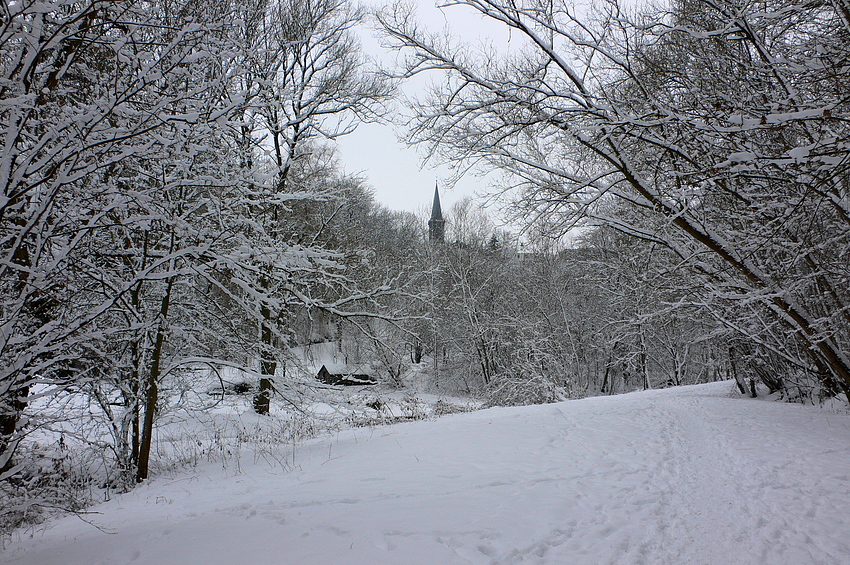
(436, 225)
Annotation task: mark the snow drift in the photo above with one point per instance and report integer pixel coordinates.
(687, 475)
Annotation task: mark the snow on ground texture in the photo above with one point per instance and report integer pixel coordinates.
(688, 475)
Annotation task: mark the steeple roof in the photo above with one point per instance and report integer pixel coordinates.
(436, 211)
(436, 225)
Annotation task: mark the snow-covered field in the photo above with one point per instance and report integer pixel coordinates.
(690, 475)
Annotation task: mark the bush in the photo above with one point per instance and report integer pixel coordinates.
(522, 390)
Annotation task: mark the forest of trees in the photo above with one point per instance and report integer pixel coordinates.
(715, 133)
(172, 200)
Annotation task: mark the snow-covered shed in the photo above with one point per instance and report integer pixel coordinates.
(342, 374)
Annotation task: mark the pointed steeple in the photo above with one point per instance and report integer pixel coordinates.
(436, 225)
(436, 211)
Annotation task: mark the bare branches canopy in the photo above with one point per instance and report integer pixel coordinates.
(718, 129)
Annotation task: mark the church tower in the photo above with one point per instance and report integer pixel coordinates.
(436, 225)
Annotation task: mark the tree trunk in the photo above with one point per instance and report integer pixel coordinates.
(152, 388)
(10, 414)
(268, 366)
(416, 352)
(133, 402)
(738, 380)
(14, 401)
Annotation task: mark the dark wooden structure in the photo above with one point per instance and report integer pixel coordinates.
(344, 376)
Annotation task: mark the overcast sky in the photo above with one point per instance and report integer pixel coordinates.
(395, 171)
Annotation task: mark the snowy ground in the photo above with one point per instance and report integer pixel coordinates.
(688, 475)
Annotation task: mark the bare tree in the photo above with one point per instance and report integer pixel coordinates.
(87, 88)
(311, 84)
(724, 123)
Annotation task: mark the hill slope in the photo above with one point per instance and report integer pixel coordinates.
(688, 475)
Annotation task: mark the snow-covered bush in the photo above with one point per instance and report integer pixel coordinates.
(443, 407)
(53, 478)
(520, 390)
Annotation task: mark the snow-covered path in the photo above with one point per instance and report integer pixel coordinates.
(677, 476)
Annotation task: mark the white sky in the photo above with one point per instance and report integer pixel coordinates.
(396, 172)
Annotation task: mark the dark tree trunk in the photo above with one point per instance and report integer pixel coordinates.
(152, 388)
(133, 401)
(416, 352)
(268, 366)
(13, 403)
(10, 414)
(738, 379)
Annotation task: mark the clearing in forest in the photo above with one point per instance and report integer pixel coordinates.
(686, 475)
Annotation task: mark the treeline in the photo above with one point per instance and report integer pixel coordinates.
(713, 137)
(528, 320)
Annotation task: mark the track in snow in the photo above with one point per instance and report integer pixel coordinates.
(687, 475)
